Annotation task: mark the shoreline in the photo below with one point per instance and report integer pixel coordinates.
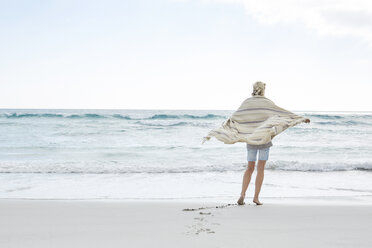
(146, 223)
(353, 200)
(214, 186)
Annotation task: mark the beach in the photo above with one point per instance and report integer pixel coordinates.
(137, 124)
(142, 178)
(282, 222)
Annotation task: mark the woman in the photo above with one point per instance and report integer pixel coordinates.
(257, 121)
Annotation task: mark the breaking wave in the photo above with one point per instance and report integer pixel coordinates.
(118, 168)
(117, 116)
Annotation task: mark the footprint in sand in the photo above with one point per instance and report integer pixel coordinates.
(201, 225)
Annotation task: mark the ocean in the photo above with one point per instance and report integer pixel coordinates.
(157, 154)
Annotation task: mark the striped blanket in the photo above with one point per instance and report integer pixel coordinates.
(257, 121)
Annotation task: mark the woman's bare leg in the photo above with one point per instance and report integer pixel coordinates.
(259, 180)
(246, 180)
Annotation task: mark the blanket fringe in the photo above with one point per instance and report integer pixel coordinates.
(205, 139)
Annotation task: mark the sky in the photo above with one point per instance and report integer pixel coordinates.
(185, 54)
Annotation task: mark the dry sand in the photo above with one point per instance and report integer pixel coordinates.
(62, 223)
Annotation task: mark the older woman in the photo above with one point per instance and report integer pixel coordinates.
(256, 122)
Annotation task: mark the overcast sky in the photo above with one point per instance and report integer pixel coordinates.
(174, 54)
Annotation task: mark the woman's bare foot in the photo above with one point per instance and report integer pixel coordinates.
(257, 202)
(241, 200)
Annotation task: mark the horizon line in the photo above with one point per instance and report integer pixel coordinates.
(171, 109)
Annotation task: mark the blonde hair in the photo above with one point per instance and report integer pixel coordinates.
(258, 89)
